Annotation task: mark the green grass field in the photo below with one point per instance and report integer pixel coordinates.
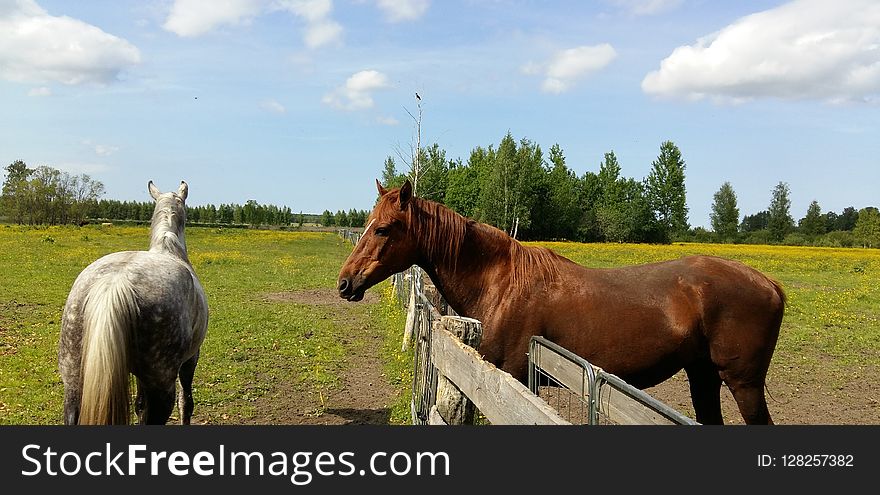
(252, 343)
(832, 323)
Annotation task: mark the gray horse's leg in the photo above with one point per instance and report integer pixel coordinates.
(72, 400)
(159, 401)
(185, 400)
(140, 402)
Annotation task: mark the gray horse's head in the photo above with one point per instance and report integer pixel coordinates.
(169, 216)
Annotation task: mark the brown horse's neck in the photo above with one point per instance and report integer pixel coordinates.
(462, 273)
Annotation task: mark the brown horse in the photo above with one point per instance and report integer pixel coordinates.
(716, 318)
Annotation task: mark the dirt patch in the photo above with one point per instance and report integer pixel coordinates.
(363, 395)
(795, 397)
(316, 297)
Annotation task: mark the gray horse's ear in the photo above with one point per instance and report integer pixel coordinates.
(382, 190)
(154, 191)
(405, 195)
(183, 190)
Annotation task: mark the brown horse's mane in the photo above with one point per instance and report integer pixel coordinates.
(441, 233)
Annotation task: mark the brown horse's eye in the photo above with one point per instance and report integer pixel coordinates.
(382, 231)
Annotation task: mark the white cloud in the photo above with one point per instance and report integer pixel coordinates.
(387, 120)
(38, 47)
(189, 18)
(273, 106)
(41, 91)
(320, 29)
(566, 67)
(356, 94)
(647, 7)
(804, 49)
(101, 149)
(403, 10)
(105, 150)
(310, 10)
(321, 33)
(192, 18)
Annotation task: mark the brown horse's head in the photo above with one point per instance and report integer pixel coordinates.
(386, 245)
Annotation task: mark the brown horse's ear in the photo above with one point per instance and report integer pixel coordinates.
(183, 190)
(405, 195)
(154, 191)
(382, 190)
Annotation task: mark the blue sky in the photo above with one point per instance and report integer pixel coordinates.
(299, 102)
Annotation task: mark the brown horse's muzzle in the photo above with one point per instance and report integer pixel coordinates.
(351, 291)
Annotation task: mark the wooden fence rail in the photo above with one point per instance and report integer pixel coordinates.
(502, 399)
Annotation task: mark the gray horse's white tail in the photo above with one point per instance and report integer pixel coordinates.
(110, 313)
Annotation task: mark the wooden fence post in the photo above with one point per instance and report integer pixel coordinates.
(434, 297)
(452, 405)
(410, 320)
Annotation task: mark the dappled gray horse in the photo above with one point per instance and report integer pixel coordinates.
(138, 312)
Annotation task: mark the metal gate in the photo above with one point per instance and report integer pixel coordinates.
(586, 394)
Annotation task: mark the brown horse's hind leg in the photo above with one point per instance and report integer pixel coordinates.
(705, 386)
(751, 402)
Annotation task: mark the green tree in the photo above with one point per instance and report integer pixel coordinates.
(511, 184)
(665, 190)
(725, 213)
(630, 220)
(608, 177)
(342, 219)
(779, 220)
(564, 212)
(463, 189)
(813, 224)
(434, 172)
(847, 219)
(756, 222)
(589, 196)
(867, 229)
(390, 177)
(327, 219)
(14, 201)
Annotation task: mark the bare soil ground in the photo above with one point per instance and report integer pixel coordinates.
(364, 394)
(795, 397)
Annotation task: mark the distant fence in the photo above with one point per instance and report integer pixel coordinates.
(352, 236)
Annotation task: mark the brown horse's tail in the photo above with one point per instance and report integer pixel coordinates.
(110, 312)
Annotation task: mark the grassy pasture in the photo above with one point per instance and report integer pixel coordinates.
(253, 343)
(833, 311)
(831, 327)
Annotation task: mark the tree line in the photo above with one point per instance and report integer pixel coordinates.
(776, 225)
(512, 186)
(44, 195)
(516, 188)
